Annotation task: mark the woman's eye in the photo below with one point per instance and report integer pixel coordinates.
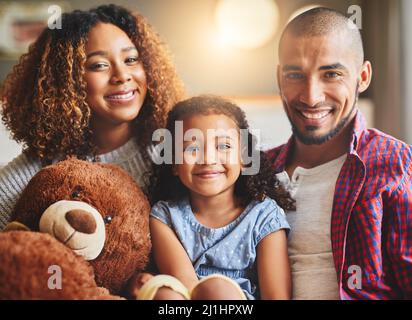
(131, 60)
(97, 66)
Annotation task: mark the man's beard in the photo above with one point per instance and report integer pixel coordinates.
(310, 140)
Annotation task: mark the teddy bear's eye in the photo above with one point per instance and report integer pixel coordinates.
(107, 219)
(76, 192)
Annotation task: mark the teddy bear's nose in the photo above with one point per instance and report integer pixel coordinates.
(81, 221)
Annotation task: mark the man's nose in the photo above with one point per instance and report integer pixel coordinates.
(313, 93)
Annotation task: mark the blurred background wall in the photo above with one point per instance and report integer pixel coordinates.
(208, 63)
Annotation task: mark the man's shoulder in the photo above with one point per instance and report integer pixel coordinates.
(378, 144)
(385, 156)
(273, 153)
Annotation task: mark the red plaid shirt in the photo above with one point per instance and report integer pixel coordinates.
(371, 227)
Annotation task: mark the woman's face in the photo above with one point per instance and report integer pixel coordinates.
(116, 80)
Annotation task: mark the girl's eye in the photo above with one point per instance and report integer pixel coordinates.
(224, 146)
(192, 148)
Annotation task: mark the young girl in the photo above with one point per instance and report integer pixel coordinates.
(211, 222)
(86, 89)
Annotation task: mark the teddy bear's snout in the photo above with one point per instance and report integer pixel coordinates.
(76, 224)
(81, 220)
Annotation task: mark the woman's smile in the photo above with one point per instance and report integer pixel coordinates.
(121, 97)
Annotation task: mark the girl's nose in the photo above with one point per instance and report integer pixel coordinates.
(210, 156)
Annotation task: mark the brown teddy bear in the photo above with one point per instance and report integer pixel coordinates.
(94, 234)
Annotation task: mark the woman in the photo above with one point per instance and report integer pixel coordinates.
(95, 89)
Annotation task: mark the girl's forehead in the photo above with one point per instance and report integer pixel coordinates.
(209, 121)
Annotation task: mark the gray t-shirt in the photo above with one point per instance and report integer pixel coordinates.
(310, 249)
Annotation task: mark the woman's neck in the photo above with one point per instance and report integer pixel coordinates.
(110, 137)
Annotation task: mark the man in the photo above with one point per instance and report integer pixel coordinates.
(352, 185)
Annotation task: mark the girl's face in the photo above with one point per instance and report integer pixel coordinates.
(211, 161)
(116, 81)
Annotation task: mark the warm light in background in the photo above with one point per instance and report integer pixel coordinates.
(246, 24)
(302, 10)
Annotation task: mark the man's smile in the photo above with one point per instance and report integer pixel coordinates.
(314, 117)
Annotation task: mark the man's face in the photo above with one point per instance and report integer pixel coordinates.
(319, 80)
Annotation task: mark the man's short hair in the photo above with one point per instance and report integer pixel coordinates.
(322, 21)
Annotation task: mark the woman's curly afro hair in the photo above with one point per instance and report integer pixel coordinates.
(166, 186)
(44, 97)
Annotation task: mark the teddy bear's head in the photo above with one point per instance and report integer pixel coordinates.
(95, 209)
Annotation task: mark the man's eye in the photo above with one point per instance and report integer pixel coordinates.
(294, 76)
(331, 75)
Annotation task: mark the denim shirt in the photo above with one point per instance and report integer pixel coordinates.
(229, 250)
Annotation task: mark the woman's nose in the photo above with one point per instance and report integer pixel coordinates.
(120, 75)
(81, 220)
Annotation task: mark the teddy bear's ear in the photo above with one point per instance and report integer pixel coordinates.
(16, 226)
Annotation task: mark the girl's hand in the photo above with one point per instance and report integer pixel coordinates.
(273, 267)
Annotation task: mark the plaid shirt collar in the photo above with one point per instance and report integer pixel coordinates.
(359, 126)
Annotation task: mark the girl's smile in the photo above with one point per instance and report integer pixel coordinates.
(209, 174)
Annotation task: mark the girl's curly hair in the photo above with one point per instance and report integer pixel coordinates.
(166, 186)
(44, 97)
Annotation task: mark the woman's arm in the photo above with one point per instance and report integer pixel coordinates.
(273, 267)
(14, 177)
(171, 258)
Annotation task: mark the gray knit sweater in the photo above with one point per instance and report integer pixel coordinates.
(15, 176)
